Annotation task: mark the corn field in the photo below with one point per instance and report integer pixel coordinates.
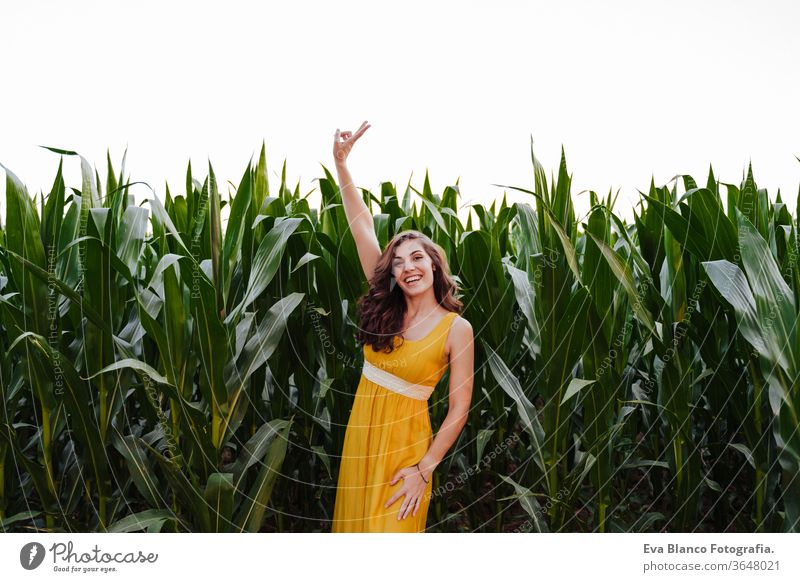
(161, 373)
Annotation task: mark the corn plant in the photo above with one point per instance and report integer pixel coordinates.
(189, 364)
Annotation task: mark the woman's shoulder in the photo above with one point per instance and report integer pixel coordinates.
(460, 323)
(460, 328)
(459, 334)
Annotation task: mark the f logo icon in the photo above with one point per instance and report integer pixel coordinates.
(31, 555)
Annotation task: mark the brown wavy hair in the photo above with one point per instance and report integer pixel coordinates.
(382, 309)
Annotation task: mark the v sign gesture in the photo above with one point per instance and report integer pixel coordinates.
(344, 141)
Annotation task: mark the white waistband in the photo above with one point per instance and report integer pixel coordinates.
(395, 383)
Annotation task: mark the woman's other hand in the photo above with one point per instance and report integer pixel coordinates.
(413, 489)
(343, 142)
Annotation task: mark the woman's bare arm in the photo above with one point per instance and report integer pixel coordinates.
(358, 215)
(462, 367)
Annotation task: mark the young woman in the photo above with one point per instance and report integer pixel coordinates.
(411, 329)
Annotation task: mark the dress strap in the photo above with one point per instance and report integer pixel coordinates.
(396, 383)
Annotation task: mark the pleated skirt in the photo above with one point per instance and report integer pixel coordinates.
(386, 432)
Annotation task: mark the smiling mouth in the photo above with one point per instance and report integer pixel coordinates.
(414, 279)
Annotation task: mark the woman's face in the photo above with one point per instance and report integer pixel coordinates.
(412, 267)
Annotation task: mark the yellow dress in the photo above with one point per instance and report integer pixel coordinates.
(389, 428)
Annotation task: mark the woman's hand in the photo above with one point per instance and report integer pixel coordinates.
(413, 489)
(344, 141)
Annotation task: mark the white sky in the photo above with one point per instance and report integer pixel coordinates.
(629, 88)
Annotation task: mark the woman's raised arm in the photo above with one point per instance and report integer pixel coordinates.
(358, 215)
